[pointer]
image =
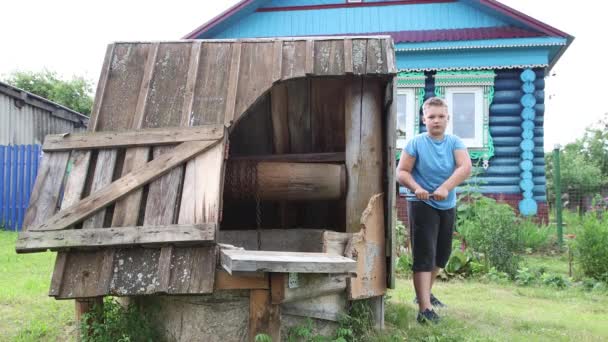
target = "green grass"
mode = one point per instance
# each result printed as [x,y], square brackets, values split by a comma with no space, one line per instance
[480,311]
[26,311]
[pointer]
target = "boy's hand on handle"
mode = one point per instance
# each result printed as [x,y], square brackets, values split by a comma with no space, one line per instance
[422,194]
[440,193]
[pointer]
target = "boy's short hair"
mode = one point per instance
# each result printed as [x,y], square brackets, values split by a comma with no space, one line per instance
[435,102]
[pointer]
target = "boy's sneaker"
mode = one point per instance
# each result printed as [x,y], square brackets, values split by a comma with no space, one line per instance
[426,316]
[434,302]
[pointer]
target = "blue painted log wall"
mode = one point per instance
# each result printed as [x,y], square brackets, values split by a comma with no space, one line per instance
[503,175]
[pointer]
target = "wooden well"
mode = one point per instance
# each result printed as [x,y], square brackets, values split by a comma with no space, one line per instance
[253,178]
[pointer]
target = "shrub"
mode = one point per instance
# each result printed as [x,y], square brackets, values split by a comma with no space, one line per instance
[490,228]
[555,280]
[534,237]
[404,263]
[591,247]
[117,323]
[524,277]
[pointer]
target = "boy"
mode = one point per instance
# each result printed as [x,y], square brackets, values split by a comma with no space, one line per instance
[431,166]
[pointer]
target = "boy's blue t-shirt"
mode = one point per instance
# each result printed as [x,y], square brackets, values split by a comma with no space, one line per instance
[434,164]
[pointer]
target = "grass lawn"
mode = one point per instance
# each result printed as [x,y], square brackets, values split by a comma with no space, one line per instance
[478,311]
[26,311]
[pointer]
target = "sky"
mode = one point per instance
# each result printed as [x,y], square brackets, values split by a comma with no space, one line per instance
[70,38]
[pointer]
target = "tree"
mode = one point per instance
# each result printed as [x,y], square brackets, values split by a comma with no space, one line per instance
[74,94]
[584,165]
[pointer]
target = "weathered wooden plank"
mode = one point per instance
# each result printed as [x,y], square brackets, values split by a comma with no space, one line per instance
[126,210]
[335,243]
[278,283]
[163,193]
[102,176]
[280,125]
[121,93]
[359,56]
[191,82]
[124,185]
[327,115]
[364,151]
[75,184]
[329,57]
[285,262]
[115,237]
[225,281]
[370,253]
[201,198]
[193,270]
[314,285]
[133,138]
[389,51]
[278,61]
[331,307]
[255,75]
[376,57]
[348,56]
[299,120]
[310,57]
[294,59]
[45,195]
[233,85]
[352,103]
[264,318]
[390,212]
[211,86]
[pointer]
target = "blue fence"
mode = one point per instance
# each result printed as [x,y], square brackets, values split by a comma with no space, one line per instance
[18,170]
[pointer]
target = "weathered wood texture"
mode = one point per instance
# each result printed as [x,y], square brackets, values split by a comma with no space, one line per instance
[364,153]
[391,193]
[185,84]
[286,181]
[284,262]
[264,317]
[369,251]
[143,137]
[115,237]
[315,285]
[330,307]
[294,240]
[226,281]
[136,179]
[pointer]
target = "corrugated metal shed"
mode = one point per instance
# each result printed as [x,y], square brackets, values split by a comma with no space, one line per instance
[26,118]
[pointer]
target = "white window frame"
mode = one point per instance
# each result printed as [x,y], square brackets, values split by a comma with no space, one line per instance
[479,110]
[410,115]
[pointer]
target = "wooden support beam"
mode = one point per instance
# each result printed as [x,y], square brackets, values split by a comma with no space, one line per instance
[285,262]
[278,283]
[123,186]
[133,138]
[30,242]
[264,317]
